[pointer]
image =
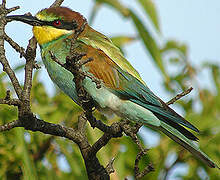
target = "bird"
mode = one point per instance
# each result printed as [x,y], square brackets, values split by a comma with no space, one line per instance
[122,91]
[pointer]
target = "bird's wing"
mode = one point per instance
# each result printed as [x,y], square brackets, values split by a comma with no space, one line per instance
[125,81]
[140,94]
[128,87]
[100,41]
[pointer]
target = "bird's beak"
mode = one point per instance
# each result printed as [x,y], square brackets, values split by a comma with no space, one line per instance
[28,19]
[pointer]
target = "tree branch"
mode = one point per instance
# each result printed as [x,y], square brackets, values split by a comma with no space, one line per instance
[30,55]
[179,96]
[15,46]
[13,9]
[3,60]
[14,102]
[57,3]
[147,169]
[7,100]
[10,125]
[109,168]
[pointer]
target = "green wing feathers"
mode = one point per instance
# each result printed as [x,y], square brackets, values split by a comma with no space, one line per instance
[140,94]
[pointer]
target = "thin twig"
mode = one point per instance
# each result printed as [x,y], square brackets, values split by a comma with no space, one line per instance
[131,132]
[13,9]
[178,96]
[109,168]
[7,100]
[147,169]
[3,60]
[13,102]
[57,3]
[10,125]
[20,49]
[11,74]
[4,3]
[15,46]
[115,132]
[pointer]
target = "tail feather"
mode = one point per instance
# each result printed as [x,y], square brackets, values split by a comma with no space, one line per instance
[186,143]
[177,126]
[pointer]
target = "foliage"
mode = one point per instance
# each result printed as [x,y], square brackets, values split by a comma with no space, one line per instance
[25,154]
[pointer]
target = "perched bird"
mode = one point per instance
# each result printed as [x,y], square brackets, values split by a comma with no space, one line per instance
[122,91]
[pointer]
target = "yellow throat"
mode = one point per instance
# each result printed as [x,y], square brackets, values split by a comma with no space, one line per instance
[45,34]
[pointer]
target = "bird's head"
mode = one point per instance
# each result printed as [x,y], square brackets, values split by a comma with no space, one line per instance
[52,23]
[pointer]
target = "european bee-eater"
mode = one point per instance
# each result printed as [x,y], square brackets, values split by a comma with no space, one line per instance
[122,91]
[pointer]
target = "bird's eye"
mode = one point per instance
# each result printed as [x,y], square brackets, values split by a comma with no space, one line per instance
[57,23]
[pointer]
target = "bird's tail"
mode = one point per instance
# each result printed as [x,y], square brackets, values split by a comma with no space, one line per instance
[188,144]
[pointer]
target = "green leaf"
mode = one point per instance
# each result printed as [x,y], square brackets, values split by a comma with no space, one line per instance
[173,45]
[72,156]
[150,9]
[28,166]
[149,43]
[19,67]
[120,41]
[117,5]
[94,12]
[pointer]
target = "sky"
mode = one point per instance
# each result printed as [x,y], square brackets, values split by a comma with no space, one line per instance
[194,22]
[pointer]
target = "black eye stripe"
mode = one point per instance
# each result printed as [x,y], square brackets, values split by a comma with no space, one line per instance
[64,25]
